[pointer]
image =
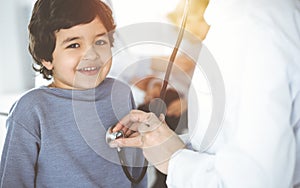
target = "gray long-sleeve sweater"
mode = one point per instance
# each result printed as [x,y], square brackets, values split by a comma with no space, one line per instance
[56,138]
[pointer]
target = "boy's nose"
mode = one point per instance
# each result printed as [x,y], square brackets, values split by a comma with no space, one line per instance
[91,54]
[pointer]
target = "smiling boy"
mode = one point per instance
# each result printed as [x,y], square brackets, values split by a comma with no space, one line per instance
[56,133]
[82,56]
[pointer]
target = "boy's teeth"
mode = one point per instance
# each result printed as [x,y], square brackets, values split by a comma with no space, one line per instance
[89,68]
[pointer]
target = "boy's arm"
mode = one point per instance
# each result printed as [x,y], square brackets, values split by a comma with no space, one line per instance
[19,156]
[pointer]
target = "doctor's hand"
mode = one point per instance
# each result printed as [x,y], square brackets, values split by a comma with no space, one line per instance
[151,134]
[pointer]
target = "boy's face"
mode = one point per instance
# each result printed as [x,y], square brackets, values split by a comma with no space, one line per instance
[82,56]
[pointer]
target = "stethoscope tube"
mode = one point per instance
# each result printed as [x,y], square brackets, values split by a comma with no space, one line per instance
[174,52]
[160,106]
[125,169]
[111,136]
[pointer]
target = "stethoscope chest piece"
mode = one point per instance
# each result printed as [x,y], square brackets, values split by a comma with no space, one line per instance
[111,136]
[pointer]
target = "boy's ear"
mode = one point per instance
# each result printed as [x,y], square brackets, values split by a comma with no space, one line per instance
[47,64]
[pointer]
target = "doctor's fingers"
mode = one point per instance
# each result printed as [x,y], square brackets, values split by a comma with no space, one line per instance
[146,139]
[151,123]
[125,123]
[139,140]
[136,118]
[135,140]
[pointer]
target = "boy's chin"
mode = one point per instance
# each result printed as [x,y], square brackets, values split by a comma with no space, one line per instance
[83,82]
[87,85]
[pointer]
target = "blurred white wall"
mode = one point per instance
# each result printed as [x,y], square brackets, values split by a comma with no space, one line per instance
[15,72]
[2,132]
[127,12]
[16,75]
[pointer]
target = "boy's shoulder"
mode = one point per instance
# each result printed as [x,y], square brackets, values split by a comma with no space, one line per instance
[25,109]
[31,95]
[29,99]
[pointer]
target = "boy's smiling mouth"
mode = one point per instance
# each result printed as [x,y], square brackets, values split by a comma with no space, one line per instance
[90,70]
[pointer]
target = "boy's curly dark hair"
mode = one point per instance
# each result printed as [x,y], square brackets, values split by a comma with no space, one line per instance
[49,16]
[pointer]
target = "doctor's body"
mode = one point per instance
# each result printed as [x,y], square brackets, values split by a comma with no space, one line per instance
[256,45]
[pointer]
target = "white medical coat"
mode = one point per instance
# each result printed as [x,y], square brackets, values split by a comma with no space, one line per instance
[256,45]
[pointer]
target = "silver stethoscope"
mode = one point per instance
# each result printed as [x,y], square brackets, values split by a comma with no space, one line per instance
[159,106]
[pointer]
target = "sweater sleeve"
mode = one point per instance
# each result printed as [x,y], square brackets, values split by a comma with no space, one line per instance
[19,157]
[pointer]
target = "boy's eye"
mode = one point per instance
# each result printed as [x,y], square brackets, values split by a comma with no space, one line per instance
[75,45]
[101,42]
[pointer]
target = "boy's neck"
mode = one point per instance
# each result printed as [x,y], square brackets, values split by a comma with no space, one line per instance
[52,85]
